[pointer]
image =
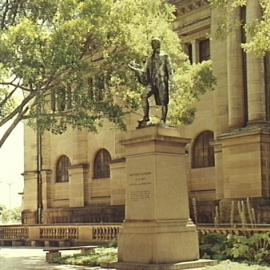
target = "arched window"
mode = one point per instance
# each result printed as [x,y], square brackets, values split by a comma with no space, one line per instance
[102,164]
[62,166]
[202,151]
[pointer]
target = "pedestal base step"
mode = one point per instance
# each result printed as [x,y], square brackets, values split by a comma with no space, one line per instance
[175,266]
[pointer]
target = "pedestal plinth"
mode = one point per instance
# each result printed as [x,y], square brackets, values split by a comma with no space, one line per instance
[157,230]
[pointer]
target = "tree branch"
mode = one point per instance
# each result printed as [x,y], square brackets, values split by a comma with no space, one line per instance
[18,109]
[5,100]
[12,126]
[16,85]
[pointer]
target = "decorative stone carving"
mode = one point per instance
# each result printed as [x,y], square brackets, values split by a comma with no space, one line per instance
[186,6]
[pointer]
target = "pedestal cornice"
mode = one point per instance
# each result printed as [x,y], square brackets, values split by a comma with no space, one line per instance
[155,133]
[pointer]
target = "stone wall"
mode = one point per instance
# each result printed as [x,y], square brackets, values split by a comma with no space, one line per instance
[236,115]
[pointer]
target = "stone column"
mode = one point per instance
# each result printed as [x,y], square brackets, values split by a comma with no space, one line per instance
[195,51]
[30,197]
[46,178]
[218,52]
[76,184]
[30,190]
[157,232]
[235,76]
[118,181]
[255,73]
[219,170]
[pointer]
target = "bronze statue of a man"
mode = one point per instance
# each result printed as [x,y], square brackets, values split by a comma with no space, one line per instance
[156,74]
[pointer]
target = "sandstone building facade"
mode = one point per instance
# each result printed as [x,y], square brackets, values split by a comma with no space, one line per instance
[81,176]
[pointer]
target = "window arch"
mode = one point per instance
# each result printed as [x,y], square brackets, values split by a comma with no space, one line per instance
[102,164]
[202,151]
[62,166]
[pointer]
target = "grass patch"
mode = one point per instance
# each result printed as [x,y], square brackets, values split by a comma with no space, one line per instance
[98,257]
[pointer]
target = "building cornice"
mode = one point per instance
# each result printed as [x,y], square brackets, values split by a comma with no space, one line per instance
[187,6]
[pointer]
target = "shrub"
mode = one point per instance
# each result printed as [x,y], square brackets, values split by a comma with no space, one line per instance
[213,245]
[253,249]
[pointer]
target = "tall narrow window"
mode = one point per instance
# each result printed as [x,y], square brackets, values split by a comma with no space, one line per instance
[267,84]
[62,166]
[61,98]
[204,50]
[188,50]
[202,151]
[102,164]
[244,60]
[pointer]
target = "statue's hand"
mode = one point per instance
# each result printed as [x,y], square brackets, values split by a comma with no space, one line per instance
[134,66]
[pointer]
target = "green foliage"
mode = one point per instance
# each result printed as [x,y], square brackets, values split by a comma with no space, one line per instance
[98,257]
[253,249]
[70,58]
[258,30]
[8,216]
[213,246]
[189,84]
[240,248]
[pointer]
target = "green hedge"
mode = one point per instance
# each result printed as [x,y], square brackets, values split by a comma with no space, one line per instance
[253,249]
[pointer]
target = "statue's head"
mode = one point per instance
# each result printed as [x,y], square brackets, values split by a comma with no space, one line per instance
[156,43]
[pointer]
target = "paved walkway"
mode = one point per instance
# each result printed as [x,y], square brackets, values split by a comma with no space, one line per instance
[22,258]
[26,258]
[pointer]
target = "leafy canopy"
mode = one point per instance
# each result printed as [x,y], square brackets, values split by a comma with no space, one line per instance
[67,61]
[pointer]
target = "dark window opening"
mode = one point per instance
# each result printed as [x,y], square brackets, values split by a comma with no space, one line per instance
[62,167]
[203,151]
[244,62]
[267,84]
[102,164]
[189,52]
[204,50]
[61,98]
[98,87]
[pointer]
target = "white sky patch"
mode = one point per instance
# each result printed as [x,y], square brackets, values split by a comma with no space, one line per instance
[11,167]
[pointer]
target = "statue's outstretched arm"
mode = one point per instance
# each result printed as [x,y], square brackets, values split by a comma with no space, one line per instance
[139,72]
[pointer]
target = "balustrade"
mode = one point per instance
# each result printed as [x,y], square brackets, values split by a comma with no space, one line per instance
[98,233]
[84,233]
[105,233]
[56,232]
[14,233]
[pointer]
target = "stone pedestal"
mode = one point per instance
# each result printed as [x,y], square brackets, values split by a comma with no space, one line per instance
[157,230]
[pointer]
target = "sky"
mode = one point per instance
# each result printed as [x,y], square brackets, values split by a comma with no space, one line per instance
[11,168]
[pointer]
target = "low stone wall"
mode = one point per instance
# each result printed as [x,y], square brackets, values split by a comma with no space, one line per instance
[72,234]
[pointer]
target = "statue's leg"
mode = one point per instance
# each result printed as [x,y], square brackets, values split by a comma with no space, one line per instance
[164,111]
[145,105]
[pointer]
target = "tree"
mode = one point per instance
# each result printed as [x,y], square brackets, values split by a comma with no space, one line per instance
[258,30]
[10,215]
[64,62]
